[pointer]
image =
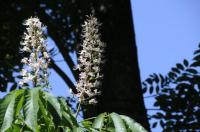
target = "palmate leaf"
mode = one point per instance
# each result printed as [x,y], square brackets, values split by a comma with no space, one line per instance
[53,101]
[31,108]
[79,129]
[7,109]
[132,125]
[118,123]
[115,123]
[19,102]
[99,121]
[67,115]
[45,118]
[53,107]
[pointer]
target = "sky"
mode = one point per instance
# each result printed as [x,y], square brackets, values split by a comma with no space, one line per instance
[167,31]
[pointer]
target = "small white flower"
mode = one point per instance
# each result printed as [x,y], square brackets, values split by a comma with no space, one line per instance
[93,101]
[21,83]
[24,72]
[35,65]
[26,49]
[24,60]
[46,55]
[70,91]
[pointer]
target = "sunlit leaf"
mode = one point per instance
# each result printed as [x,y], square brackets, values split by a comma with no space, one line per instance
[132,125]
[99,121]
[53,107]
[67,113]
[31,108]
[118,122]
[7,110]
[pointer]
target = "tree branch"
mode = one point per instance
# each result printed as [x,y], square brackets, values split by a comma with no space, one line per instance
[52,28]
[145,97]
[154,109]
[66,79]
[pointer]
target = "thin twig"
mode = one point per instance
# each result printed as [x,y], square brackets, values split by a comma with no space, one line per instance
[78,109]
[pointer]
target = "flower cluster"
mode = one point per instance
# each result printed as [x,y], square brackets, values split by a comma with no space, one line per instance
[34,44]
[90,62]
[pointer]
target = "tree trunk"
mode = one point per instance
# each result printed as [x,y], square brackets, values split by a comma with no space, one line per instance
[122,91]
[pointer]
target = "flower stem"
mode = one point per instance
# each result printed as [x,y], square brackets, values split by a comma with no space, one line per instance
[78,110]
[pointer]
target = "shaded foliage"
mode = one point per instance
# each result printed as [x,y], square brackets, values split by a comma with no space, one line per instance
[177,95]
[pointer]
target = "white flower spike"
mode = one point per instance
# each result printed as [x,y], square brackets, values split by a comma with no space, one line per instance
[90,62]
[36,64]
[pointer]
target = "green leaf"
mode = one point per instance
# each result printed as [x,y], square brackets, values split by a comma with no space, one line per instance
[185,62]
[162,124]
[184,85]
[132,125]
[14,128]
[99,121]
[144,90]
[118,123]
[157,89]
[66,120]
[19,104]
[197,58]
[45,117]
[149,81]
[183,78]
[87,124]
[180,66]
[151,90]
[79,129]
[53,107]
[52,100]
[31,108]
[191,70]
[172,75]
[175,70]
[154,124]
[156,79]
[196,51]
[7,110]
[195,64]
[67,114]
[64,105]
[14,86]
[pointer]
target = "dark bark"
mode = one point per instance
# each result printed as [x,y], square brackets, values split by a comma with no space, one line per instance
[122,91]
